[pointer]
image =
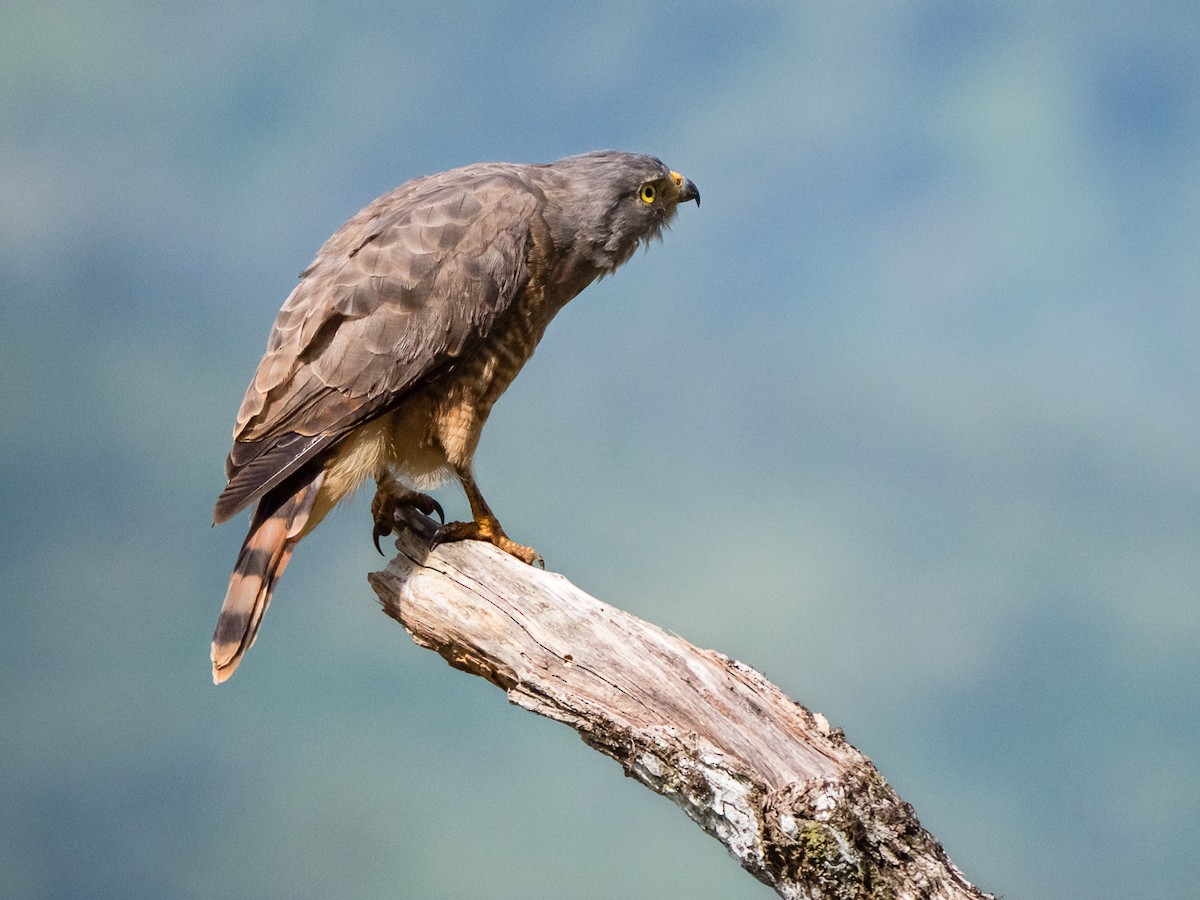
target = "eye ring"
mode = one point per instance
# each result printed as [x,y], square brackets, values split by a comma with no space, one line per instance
[648,193]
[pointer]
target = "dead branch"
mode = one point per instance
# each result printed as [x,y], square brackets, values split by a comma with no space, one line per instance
[795,803]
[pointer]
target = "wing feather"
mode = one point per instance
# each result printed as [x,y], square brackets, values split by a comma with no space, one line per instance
[412,282]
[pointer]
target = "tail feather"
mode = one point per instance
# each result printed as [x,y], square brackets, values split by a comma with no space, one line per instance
[265,553]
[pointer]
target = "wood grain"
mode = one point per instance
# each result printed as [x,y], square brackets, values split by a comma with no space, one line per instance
[798,806]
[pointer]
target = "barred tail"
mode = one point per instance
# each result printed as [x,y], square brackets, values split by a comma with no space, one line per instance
[275,530]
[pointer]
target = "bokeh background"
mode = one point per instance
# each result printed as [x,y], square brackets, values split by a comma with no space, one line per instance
[905,417]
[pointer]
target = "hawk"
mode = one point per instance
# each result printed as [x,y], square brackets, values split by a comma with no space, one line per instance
[413,319]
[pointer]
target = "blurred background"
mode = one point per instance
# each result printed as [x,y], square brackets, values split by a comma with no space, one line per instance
[905,417]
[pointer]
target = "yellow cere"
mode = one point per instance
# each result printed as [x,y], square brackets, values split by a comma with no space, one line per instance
[677,178]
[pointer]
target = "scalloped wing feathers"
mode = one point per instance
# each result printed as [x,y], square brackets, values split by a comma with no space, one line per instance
[398,293]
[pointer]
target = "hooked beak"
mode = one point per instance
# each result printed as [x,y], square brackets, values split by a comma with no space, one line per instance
[687,190]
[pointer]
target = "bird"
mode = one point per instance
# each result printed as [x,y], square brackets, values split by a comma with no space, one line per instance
[386,358]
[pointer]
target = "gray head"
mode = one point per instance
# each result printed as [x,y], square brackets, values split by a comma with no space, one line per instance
[607,203]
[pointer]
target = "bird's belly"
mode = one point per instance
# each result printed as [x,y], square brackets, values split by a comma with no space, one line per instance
[414,451]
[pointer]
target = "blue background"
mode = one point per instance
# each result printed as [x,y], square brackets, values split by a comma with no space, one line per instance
[905,417]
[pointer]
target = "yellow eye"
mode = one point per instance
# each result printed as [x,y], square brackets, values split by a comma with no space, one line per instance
[648,193]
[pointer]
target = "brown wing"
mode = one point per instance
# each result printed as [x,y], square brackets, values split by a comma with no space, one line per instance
[393,299]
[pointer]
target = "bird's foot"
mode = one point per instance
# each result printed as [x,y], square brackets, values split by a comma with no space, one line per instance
[487,529]
[390,497]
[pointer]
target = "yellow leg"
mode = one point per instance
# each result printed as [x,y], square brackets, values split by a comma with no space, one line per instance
[485,526]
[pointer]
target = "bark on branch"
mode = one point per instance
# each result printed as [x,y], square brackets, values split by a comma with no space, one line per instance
[799,807]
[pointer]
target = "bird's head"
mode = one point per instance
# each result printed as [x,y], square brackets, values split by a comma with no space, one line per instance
[608,203]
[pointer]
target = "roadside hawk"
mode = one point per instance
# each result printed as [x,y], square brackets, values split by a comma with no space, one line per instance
[386,359]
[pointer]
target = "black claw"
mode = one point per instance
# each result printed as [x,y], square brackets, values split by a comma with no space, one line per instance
[439,537]
[421,503]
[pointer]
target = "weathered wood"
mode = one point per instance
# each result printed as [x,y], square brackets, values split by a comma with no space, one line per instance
[791,799]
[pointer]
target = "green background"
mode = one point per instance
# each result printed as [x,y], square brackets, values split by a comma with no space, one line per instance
[905,417]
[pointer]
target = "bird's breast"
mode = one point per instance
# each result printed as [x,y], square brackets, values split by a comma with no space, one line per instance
[437,429]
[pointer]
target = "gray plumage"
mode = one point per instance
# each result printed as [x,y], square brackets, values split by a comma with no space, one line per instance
[414,317]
